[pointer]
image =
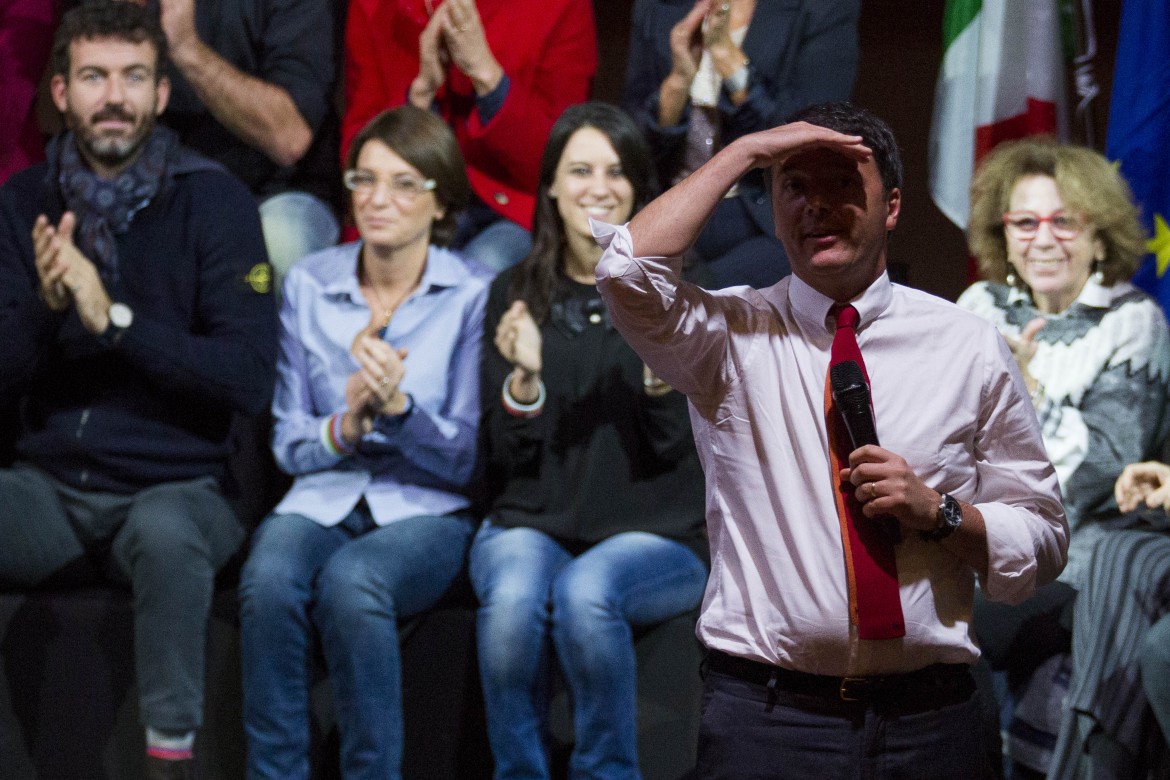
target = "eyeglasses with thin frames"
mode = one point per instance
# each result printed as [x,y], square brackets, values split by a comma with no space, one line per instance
[1024,225]
[402,188]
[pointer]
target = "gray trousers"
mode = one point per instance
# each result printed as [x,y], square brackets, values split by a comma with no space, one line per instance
[166,542]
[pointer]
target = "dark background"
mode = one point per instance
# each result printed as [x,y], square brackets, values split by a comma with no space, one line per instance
[901,48]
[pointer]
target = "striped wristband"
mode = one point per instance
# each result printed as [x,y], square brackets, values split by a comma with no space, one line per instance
[517,409]
[331,436]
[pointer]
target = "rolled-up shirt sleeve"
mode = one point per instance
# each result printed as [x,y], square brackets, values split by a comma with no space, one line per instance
[676,327]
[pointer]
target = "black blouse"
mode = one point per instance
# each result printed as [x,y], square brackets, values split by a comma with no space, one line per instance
[602,457]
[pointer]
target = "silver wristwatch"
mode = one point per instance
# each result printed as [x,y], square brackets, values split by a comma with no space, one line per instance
[950,517]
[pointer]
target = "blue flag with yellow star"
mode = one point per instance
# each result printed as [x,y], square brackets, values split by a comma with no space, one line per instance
[1139,129]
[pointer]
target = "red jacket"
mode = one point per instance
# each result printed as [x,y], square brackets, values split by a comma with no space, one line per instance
[548,49]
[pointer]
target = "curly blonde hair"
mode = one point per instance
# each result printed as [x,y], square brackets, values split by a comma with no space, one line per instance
[1088,184]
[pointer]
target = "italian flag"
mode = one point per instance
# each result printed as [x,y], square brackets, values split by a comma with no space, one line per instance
[1002,77]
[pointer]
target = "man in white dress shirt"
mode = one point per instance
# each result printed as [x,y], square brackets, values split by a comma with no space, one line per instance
[792,687]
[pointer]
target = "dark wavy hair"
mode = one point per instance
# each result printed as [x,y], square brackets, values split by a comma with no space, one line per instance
[108,19]
[854,120]
[538,277]
[424,141]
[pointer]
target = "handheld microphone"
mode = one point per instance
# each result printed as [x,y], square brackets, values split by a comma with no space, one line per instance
[851,395]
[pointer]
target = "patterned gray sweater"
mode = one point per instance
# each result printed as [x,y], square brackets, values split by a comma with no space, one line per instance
[1105,366]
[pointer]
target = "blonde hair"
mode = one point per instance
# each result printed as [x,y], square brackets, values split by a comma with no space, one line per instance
[1088,184]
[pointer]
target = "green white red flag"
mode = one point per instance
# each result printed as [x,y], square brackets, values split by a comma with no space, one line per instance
[1002,77]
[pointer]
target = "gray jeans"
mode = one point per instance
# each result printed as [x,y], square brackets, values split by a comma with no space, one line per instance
[166,542]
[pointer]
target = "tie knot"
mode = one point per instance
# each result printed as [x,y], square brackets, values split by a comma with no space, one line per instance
[847,316]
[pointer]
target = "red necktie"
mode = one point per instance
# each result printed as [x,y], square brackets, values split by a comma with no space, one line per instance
[874,604]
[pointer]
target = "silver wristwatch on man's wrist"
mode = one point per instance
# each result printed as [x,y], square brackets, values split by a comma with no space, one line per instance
[120,316]
[950,517]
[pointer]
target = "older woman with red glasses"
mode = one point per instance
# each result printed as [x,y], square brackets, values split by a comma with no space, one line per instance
[1055,231]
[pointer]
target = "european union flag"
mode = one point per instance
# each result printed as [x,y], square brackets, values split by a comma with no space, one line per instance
[1139,129]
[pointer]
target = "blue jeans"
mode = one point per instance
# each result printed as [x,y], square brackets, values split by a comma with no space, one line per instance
[532,590]
[295,224]
[352,582]
[499,245]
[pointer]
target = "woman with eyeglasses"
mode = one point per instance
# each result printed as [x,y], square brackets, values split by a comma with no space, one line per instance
[1056,235]
[375,412]
[596,525]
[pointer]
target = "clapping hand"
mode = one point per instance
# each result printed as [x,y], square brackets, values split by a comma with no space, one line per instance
[518,338]
[519,341]
[382,370]
[433,58]
[374,388]
[1143,483]
[66,275]
[1024,349]
[466,40]
[686,43]
[717,35]
[454,35]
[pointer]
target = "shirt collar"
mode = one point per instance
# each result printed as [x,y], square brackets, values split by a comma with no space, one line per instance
[811,308]
[1093,295]
[443,269]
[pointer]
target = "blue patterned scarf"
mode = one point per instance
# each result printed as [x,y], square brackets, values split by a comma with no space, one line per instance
[104,208]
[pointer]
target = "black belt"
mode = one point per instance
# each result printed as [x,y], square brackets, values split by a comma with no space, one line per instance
[938,685]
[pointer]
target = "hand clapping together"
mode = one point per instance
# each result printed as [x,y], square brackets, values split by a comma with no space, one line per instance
[454,35]
[373,389]
[68,276]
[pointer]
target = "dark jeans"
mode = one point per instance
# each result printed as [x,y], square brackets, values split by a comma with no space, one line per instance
[750,733]
[165,541]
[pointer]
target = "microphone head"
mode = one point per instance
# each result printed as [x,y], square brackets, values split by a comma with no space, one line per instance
[851,397]
[846,377]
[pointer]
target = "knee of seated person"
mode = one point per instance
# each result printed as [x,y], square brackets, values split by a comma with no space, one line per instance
[582,596]
[268,578]
[166,538]
[500,245]
[348,585]
[185,510]
[514,590]
[295,224]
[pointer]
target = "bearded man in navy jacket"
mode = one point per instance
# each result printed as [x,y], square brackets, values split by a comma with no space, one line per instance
[138,317]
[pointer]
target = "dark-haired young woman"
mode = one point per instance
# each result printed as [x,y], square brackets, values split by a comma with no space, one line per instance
[596,514]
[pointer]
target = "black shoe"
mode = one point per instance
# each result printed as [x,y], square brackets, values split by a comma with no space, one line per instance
[163,769]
